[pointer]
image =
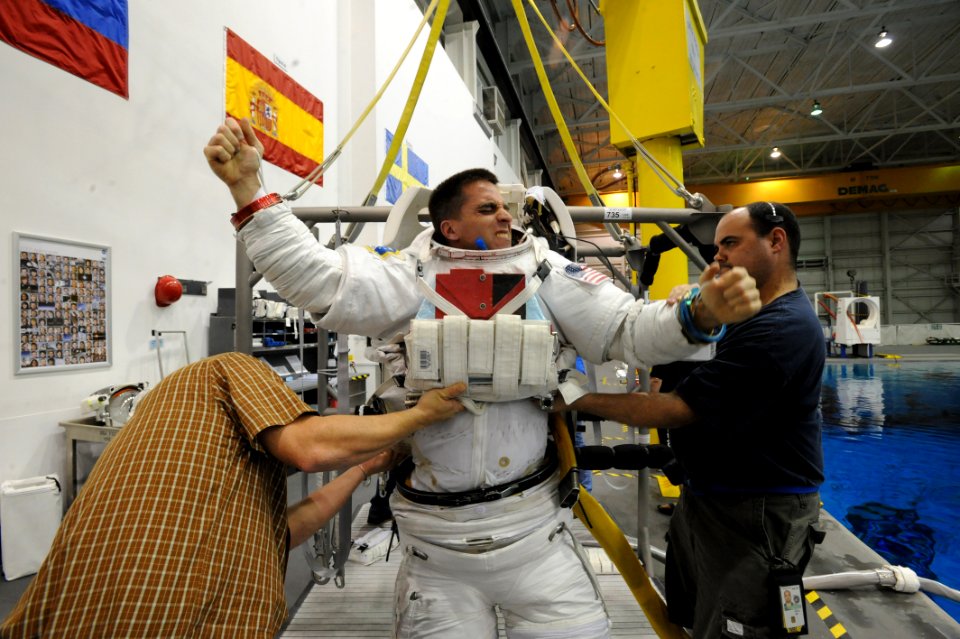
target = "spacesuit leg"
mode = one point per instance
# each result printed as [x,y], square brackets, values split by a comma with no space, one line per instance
[435,603]
[556,595]
[541,582]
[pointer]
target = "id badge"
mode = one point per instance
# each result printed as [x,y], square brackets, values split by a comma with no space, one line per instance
[788,601]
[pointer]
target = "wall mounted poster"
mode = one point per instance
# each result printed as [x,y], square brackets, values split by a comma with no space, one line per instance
[62,308]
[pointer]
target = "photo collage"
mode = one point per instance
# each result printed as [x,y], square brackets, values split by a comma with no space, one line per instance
[63,309]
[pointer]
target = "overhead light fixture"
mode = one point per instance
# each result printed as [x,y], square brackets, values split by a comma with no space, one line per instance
[617,173]
[775,153]
[883,39]
[817,109]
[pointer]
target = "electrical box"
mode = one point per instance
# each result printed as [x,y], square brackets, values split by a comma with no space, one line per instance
[655,53]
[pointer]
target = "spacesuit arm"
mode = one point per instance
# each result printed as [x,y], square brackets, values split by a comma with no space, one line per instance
[604,323]
[353,289]
[303,271]
[649,334]
[281,247]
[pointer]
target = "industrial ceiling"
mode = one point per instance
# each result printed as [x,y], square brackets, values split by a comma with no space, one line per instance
[767,63]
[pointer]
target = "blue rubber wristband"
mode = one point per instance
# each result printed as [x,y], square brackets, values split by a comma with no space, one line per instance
[689,327]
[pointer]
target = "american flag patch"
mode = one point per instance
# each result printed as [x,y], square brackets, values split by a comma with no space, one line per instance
[584,274]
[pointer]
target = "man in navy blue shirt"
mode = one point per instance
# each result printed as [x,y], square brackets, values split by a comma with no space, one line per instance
[750,446]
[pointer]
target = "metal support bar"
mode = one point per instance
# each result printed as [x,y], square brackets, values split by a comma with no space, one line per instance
[349,214]
[341,545]
[828,252]
[637,214]
[682,244]
[643,481]
[243,303]
[329,214]
[885,261]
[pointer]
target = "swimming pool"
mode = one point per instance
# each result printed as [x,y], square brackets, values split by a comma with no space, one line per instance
[891,437]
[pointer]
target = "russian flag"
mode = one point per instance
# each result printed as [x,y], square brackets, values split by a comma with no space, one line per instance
[88,38]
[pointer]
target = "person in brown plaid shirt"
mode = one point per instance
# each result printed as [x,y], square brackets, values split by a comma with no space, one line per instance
[182,529]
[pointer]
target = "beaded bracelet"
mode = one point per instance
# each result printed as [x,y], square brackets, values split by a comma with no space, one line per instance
[688,327]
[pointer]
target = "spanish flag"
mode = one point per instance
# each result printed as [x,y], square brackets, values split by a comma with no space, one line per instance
[87,38]
[286,117]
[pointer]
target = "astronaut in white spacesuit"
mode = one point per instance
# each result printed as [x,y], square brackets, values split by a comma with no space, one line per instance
[477,300]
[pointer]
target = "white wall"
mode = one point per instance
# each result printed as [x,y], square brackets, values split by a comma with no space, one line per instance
[80,163]
[439,131]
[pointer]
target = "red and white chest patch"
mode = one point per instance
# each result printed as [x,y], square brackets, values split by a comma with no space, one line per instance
[477,293]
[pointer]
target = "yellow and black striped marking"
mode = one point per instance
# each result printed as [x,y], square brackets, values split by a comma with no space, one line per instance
[823,611]
[614,473]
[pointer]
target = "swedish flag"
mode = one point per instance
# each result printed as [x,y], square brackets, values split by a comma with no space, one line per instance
[408,170]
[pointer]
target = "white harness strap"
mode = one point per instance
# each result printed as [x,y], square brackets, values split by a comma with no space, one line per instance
[455,355]
[423,347]
[507,344]
[436,299]
[502,359]
[480,356]
[538,344]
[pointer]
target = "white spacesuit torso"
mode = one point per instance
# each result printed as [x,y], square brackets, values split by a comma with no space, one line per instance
[503,437]
[375,292]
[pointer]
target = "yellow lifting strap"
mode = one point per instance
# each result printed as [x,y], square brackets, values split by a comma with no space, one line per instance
[354,228]
[613,229]
[671,182]
[435,29]
[554,107]
[589,511]
[303,185]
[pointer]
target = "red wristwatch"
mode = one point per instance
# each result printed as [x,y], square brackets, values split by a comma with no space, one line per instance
[241,217]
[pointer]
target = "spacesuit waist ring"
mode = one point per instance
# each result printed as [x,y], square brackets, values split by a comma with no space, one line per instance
[479,495]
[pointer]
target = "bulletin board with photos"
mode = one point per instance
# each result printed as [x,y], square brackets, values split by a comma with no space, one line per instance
[63,304]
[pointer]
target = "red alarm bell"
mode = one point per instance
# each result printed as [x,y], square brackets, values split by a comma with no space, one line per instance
[168,290]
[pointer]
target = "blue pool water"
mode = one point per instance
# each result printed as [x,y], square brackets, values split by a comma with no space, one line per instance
[891,440]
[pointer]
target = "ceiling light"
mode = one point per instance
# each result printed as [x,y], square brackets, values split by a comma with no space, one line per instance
[617,173]
[775,153]
[817,109]
[883,39]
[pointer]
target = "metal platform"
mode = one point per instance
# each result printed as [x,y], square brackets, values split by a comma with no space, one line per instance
[363,609]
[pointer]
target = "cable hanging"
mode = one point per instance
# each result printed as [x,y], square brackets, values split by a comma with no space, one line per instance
[615,231]
[354,228]
[671,182]
[314,176]
[575,15]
